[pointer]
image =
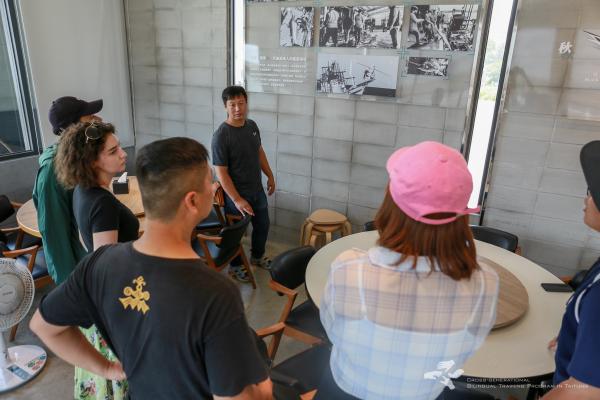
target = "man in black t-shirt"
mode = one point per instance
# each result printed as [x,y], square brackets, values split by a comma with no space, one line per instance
[177,326]
[239,160]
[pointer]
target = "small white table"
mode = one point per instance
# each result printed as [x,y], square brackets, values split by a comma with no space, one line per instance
[516,351]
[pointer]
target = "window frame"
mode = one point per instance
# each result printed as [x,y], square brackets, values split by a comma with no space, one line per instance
[10,13]
[499,102]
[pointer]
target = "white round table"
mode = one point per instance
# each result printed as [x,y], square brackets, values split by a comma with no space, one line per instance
[516,351]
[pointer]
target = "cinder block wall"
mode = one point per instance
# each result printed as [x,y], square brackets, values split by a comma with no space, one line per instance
[178,58]
[552,109]
[331,153]
[326,152]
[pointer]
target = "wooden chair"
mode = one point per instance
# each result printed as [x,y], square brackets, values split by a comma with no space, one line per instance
[301,373]
[575,280]
[302,322]
[14,237]
[319,227]
[369,226]
[33,258]
[499,238]
[215,220]
[218,251]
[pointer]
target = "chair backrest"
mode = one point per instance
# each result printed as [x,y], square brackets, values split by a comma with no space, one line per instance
[465,393]
[219,199]
[232,235]
[494,236]
[3,247]
[578,278]
[6,208]
[289,267]
[369,226]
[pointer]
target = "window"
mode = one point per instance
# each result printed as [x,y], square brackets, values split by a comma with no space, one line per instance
[238,42]
[18,127]
[489,99]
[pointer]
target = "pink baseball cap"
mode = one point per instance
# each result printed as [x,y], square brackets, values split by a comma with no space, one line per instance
[430,178]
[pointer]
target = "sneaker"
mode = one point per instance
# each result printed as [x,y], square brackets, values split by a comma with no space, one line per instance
[263,262]
[239,273]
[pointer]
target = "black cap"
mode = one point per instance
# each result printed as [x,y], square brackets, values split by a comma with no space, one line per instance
[67,110]
[590,163]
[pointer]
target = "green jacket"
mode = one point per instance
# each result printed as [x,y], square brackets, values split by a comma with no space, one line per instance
[56,222]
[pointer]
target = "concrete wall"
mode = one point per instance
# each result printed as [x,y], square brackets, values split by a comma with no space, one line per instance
[329,151]
[178,59]
[17,177]
[75,48]
[326,152]
[78,48]
[552,109]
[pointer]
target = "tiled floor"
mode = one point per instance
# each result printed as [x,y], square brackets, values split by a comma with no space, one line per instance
[263,307]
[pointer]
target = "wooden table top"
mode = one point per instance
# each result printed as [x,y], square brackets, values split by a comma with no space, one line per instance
[518,348]
[27,219]
[27,214]
[133,199]
[513,300]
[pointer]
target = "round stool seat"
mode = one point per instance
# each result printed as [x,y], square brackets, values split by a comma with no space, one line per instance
[327,228]
[327,217]
[318,228]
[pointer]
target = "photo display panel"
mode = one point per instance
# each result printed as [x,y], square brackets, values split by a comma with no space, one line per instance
[361,26]
[408,51]
[357,74]
[442,27]
[296,27]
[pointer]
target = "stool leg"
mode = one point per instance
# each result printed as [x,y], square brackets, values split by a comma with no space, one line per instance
[313,240]
[308,230]
[303,232]
[327,238]
[348,228]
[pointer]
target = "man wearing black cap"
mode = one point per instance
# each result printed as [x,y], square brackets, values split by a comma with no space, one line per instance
[62,248]
[577,374]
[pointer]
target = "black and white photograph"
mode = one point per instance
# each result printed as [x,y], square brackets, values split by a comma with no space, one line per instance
[361,26]
[429,66]
[264,1]
[357,74]
[442,27]
[296,29]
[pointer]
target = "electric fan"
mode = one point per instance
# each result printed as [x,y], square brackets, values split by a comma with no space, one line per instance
[18,364]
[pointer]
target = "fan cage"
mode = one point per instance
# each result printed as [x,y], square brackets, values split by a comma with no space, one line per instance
[8,266]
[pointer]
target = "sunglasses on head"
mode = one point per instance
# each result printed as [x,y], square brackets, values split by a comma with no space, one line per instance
[94,131]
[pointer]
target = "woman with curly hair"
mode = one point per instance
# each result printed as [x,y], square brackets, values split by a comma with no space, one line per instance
[89,155]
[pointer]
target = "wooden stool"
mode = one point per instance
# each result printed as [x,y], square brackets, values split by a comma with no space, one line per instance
[318,228]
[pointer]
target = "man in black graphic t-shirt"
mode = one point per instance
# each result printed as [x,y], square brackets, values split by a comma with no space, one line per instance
[177,326]
[239,161]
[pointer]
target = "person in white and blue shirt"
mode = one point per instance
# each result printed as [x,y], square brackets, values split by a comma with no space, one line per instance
[420,299]
[577,374]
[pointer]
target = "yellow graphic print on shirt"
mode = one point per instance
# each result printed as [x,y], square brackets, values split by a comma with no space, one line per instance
[136,298]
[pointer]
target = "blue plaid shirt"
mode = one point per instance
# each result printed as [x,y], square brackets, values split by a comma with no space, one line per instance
[399,332]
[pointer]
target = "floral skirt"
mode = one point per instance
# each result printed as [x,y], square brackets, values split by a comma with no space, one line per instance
[93,387]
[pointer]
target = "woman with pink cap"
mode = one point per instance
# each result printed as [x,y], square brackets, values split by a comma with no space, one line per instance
[404,316]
